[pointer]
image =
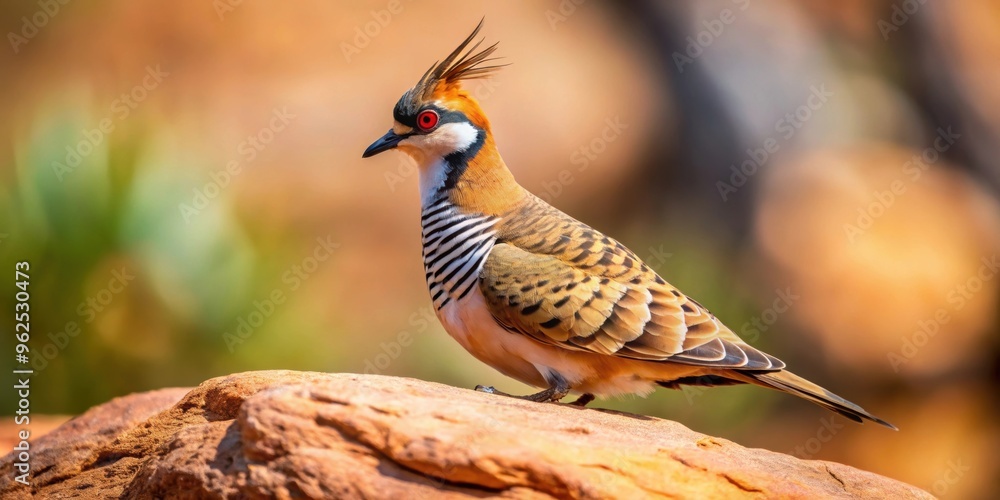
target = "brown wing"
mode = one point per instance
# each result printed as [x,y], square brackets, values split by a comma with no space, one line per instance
[581,290]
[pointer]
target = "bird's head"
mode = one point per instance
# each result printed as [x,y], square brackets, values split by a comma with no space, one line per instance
[437,123]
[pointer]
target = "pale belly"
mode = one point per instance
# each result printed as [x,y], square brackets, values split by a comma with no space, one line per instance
[522,358]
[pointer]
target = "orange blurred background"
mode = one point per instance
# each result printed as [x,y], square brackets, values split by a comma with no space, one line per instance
[186,182]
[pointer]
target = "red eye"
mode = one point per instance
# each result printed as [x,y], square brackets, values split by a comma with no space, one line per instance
[427,119]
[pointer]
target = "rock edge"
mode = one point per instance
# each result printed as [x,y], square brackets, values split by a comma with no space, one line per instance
[292,434]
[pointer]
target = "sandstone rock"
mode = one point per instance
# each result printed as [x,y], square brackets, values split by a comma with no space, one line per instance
[310,435]
[60,456]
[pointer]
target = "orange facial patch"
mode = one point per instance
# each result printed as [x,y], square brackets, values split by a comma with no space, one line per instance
[454,97]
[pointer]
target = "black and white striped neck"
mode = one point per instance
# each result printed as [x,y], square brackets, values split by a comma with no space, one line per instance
[455,246]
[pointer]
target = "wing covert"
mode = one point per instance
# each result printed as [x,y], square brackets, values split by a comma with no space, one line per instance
[638,317]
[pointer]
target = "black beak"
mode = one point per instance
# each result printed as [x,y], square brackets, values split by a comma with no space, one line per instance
[384,143]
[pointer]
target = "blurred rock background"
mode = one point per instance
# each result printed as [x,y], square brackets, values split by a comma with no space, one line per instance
[186,183]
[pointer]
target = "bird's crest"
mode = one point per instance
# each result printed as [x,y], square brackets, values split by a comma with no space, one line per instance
[445,75]
[442,80]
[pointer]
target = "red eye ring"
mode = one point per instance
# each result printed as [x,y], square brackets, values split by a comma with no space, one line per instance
[427,120]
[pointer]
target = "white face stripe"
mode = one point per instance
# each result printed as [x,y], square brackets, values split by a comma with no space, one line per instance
[445,140]
[433,147]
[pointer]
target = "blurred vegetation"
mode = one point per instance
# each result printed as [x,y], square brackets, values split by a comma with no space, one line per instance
[126,290]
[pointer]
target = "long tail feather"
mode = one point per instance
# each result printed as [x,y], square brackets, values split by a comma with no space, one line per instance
[791,383]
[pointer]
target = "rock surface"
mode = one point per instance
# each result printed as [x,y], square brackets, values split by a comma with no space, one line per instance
[310,435]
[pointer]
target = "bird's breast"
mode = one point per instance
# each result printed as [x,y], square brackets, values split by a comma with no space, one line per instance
[455,246]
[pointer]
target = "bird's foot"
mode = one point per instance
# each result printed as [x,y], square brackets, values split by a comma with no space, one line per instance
[488,389]
[583,400]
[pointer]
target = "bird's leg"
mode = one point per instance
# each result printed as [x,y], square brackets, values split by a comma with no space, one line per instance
[553,394]
[583,400]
